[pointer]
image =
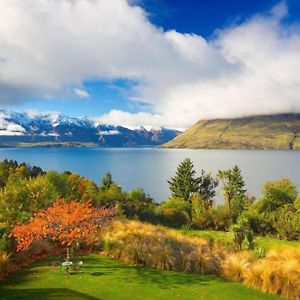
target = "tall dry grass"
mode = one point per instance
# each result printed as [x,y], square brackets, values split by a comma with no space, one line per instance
[282,272]
[277,273]
[154,246]
[235,265]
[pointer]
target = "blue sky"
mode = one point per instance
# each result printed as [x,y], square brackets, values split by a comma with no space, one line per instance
[190,29]
[104,96]
[203,17]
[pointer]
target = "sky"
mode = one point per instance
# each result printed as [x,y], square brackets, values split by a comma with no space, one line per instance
[150,62]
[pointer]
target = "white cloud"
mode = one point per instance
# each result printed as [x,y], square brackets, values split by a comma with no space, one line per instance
[81,93]
[130,120]
[248,68]
[9,128]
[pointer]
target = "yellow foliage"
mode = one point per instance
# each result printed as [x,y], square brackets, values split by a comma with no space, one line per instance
[159,247]
[253,275]
[278,273]
[235,265]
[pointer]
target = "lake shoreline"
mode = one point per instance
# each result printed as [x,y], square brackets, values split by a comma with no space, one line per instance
[150,168]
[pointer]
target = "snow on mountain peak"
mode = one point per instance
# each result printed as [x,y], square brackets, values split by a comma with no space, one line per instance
[32,126]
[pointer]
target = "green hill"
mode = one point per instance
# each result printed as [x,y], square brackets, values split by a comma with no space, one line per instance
[258,132]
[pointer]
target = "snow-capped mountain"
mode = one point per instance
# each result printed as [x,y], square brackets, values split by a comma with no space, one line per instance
[32,128]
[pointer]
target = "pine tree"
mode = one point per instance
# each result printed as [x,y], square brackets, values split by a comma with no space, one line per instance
[185,182]
[233,189]
[106,182]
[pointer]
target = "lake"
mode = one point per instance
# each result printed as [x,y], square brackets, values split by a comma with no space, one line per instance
[150,168]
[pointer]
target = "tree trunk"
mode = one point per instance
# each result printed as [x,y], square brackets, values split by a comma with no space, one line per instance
[229,202]
[68,253]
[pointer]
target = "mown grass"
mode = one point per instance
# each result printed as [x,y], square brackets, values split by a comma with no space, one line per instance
[105,278]
[265,243]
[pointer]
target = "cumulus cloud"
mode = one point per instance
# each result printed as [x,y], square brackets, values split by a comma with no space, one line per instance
[248,68]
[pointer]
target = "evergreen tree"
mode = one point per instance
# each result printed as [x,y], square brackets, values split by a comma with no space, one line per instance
[207,188]
[106,182]
[185,182]
[233,189]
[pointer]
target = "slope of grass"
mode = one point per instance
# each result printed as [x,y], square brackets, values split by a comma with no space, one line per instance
[258,132]
[104,278]
[262,242]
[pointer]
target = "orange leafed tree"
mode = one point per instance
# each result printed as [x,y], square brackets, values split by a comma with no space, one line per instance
[63,223]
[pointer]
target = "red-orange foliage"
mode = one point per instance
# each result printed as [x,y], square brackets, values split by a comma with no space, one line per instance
[63,223]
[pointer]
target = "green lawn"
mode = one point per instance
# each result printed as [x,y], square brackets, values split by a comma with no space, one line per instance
[263,242]
[104,278]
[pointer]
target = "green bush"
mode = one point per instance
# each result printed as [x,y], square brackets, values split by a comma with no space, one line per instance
[287,222]
[297,203]
[260,223]
[173,217]
[276,194]
[221,218]
[176,203]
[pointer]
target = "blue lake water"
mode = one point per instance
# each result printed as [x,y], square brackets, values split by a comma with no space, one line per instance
[150,168]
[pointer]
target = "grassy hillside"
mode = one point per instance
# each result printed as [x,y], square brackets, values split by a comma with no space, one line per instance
[257,132]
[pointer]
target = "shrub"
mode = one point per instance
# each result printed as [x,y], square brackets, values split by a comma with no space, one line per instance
[297,203]
[276,194]
[221,218]
[260,223]
[137,204]
[200,213]
[111,196]
[287,222]
[176,203]
[173,217]
[204,220]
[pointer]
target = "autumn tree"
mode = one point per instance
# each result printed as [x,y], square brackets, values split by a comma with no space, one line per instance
[63,223]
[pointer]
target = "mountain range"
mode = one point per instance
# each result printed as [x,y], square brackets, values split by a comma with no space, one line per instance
[23,129]
[280,131]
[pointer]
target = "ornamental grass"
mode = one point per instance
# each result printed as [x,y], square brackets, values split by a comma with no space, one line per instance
[154,246]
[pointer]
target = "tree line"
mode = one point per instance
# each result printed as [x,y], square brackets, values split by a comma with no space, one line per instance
[25,190]
[277,212]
